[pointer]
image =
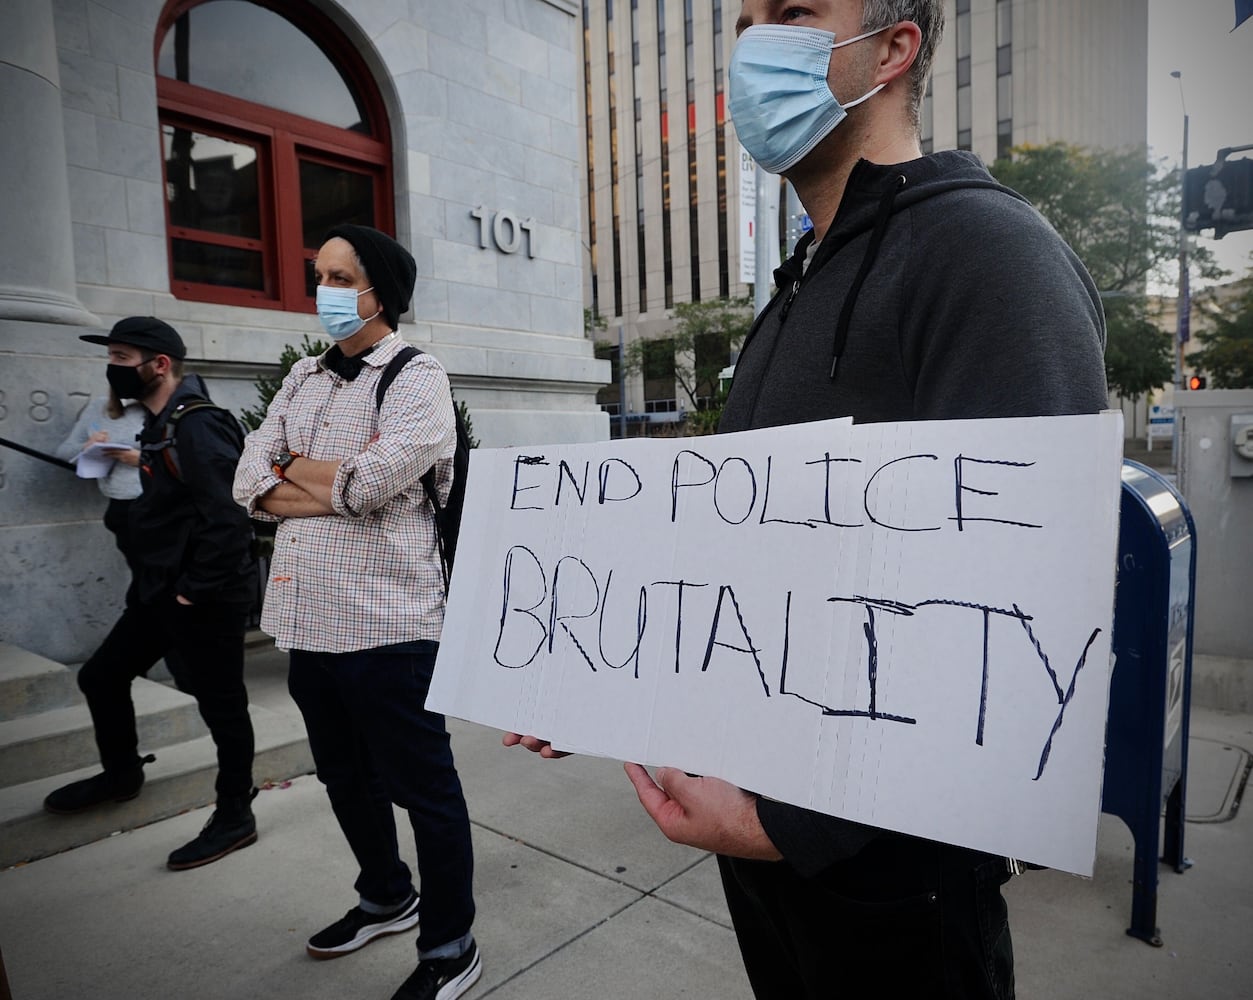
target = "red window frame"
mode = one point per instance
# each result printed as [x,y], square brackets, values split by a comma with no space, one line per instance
[282,140]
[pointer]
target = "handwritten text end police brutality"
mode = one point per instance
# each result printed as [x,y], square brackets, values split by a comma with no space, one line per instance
[903,624]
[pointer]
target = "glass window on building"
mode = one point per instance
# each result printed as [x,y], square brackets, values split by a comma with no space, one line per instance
[272,131]
[658,373]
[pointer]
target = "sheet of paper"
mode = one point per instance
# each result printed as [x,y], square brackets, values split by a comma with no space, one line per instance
[907,625]
[96,460]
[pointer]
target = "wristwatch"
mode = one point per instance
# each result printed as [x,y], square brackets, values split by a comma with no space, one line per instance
[281,463]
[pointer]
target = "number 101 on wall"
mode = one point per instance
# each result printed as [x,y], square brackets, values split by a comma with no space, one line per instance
[504,230]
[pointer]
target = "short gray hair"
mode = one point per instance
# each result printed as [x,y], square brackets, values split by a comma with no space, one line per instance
[929,16]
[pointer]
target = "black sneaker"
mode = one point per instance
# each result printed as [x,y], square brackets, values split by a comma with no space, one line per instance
[231,827]
[442,978]
[356,928]
[108,786]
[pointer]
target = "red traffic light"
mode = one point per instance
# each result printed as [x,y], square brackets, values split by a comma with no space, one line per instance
[1196,382]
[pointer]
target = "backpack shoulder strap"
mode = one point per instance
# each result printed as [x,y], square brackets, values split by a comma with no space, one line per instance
[169,439]
[402,358]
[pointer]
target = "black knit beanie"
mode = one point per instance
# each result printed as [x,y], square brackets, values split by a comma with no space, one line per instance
[389,267]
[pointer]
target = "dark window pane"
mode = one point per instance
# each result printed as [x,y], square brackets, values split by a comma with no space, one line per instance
[214,265]
[211,183]
[247,51]
[963,72]
[330,196]
[963,139]
[1004,97]
[1004,60]
[659,370]
[1004,22]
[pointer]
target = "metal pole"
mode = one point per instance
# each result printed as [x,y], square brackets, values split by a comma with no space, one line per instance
[765,237]
[622,396]
[1183,305]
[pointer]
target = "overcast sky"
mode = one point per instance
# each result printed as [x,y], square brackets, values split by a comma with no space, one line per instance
[1195,37]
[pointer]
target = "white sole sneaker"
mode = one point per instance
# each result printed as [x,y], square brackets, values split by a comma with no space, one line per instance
[401,922]
[455,987]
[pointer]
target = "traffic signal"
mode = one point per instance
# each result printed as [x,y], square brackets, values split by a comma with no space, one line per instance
[1196,382]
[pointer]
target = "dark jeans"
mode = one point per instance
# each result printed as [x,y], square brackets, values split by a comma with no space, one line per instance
[204,648]
[117,520]
[902,918]
[375,744]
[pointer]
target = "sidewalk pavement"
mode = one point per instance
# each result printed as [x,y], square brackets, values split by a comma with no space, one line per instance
[579,897]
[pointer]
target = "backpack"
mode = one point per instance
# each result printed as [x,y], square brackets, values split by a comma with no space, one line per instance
[447,517]
[168,445]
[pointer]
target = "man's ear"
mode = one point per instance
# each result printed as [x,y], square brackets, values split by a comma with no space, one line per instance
[898,51]
[161,363]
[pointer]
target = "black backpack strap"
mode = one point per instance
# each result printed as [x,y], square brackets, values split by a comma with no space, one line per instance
[169,440]
[402,358]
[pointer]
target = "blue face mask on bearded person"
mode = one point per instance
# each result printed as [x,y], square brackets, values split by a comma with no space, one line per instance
[337,309]
[781,104]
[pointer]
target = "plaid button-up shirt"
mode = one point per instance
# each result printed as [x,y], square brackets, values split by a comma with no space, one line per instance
[369,575]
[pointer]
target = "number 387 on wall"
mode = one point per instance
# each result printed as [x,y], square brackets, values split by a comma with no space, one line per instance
[504,230]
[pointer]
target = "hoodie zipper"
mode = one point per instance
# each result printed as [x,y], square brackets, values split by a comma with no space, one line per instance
[787,302]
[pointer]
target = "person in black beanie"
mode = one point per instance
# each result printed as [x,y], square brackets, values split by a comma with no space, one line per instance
[356,593]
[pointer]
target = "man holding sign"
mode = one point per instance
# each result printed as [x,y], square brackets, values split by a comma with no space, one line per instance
[879,319]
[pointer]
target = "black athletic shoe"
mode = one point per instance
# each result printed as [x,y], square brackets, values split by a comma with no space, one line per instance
[108,786]
[356,928]
[442,978]
[231,827]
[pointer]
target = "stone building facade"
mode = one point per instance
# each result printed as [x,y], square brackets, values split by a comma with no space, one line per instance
[468,145]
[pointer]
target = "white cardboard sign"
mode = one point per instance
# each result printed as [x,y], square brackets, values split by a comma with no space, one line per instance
[907,625]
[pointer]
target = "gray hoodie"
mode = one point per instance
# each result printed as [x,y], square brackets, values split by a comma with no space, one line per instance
[936,294]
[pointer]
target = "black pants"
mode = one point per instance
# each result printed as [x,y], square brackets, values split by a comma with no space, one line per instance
[902,918]
[204,648]
[375,744]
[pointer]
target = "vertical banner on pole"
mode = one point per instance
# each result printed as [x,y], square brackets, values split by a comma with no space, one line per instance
[748,212]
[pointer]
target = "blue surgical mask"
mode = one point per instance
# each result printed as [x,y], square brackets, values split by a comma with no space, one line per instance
[337,309]
[780,102]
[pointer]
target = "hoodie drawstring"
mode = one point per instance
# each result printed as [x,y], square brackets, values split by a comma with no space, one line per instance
[867,262]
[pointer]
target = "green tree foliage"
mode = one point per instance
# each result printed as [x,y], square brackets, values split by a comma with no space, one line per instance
[1119,211]
[1227,351]
[703,335]
[1138,352]
[269,385]
[593,322]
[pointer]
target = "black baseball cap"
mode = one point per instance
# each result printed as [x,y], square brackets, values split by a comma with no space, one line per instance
[145,332]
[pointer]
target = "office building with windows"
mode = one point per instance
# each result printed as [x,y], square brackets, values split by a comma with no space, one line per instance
[661,191]
[183,158]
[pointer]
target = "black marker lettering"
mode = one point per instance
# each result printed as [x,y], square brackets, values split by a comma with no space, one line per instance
[506,609]
[826,461]
[713,637]
[752,483]
[556,619]
[677,484]
[870,485]
[518,462]
[961,488]
[605,468]
[765,503]
[678,613]
[641,621]
[563,472]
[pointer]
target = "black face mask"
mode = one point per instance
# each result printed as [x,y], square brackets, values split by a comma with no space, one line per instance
[126,381]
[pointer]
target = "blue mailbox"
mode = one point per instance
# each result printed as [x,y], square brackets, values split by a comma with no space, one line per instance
[1146,736]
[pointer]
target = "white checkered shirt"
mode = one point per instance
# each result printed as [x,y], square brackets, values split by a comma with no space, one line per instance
[369,575]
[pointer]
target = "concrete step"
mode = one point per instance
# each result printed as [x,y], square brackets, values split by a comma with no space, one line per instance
[32,683]
[181,779]
[63,739]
